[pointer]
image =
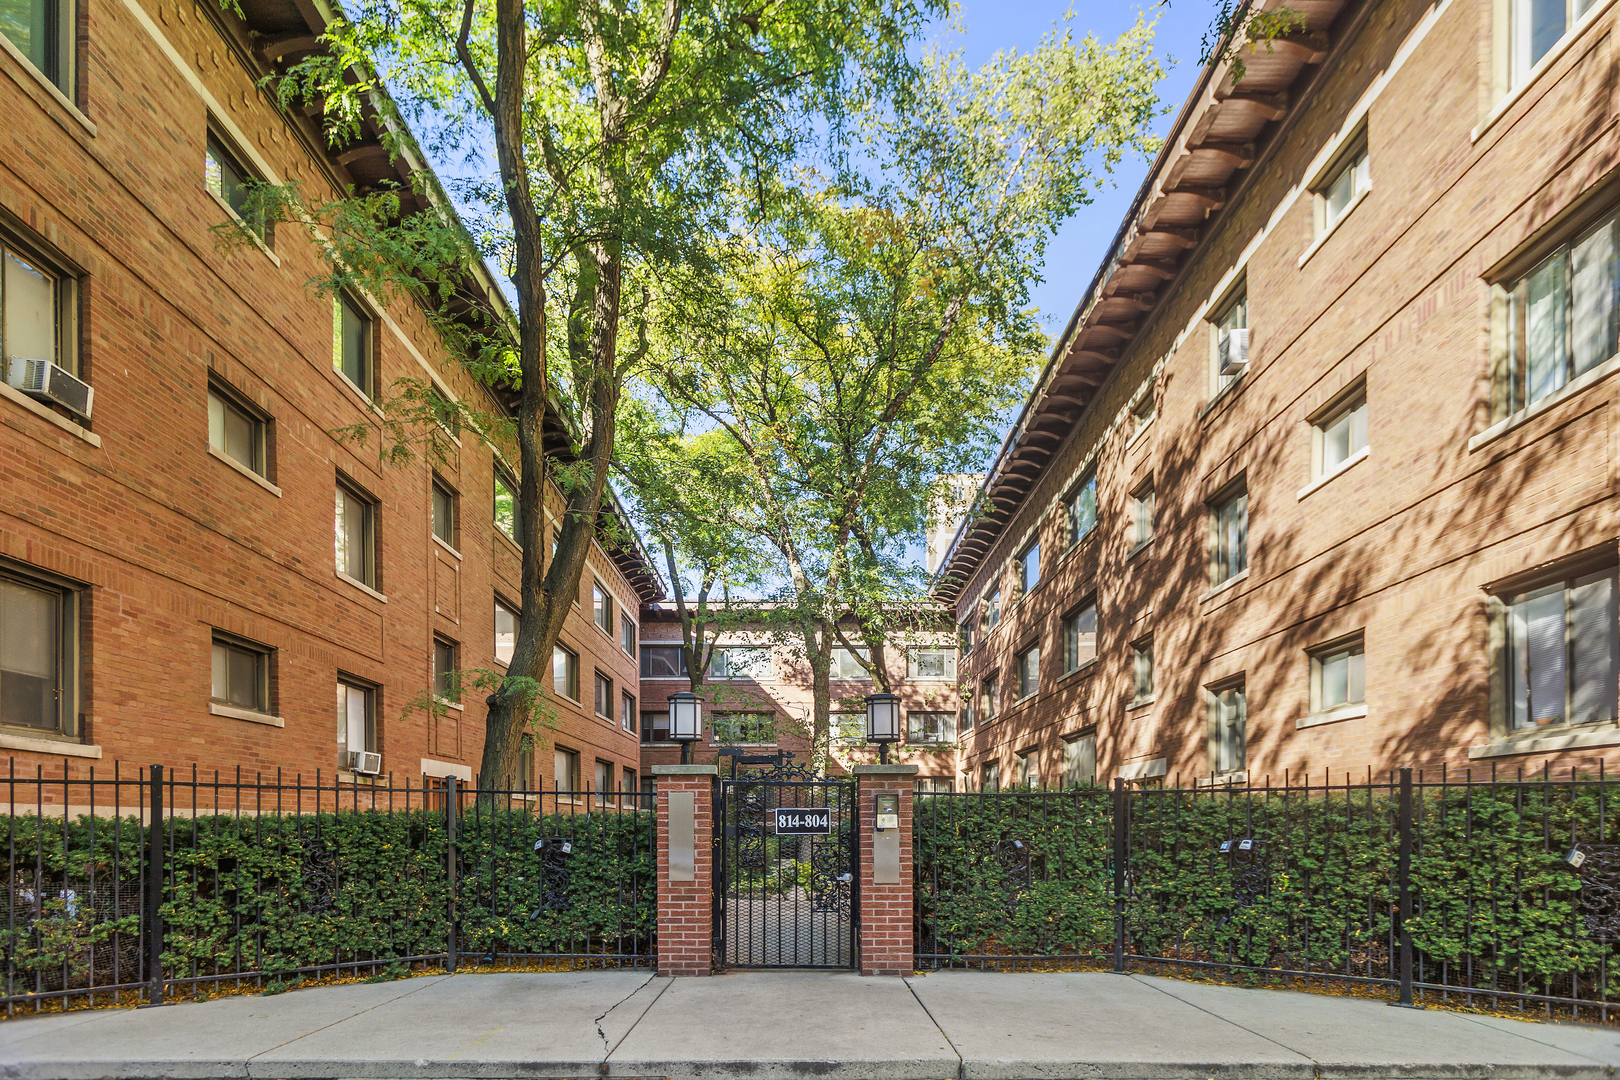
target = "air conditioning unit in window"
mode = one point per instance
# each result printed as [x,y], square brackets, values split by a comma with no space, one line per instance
[43,379]
[1234,351]
[365,762]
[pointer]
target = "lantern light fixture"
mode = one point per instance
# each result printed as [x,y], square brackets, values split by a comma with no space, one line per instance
[882,722]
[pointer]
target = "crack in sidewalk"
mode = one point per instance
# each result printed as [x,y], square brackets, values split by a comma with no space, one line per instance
[609,1049]
[248,1061]
[961,1066]
[1316,1066]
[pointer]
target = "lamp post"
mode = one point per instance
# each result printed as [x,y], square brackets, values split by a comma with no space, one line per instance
[685,721]
[882,722]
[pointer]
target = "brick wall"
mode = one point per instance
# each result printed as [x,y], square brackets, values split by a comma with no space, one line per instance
[686,908]
[167,542]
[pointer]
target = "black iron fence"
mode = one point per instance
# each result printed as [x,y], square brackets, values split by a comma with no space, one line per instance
[133,885]
[1478,890]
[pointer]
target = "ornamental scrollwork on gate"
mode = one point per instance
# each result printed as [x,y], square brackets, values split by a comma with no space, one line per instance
[830,876]
[1251,873]
[1599,874]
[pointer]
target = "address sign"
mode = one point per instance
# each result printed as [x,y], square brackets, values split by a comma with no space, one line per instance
[810,822]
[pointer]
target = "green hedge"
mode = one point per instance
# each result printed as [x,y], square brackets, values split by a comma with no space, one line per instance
[282,894]
[1497,904]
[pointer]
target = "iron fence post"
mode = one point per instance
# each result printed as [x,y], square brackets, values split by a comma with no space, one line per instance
[1404,881]
[154,888]
[1121,847]
[452,799]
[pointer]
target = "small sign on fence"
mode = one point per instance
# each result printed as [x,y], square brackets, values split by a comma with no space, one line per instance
[811,822]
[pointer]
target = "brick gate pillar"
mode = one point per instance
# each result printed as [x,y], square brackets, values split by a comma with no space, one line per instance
[887,946]
[685,795]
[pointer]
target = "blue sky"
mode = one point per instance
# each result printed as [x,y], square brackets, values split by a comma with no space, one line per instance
[990,25]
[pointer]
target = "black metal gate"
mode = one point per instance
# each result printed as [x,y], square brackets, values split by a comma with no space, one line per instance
[785,899]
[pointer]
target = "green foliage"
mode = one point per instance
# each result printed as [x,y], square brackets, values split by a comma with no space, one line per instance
[282,894]
[1496,904]
[1239,27]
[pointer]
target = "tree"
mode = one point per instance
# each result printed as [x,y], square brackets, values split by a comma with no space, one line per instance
[869,334]
[620,132]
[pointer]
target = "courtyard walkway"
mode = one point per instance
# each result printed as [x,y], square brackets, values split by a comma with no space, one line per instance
[766,1026]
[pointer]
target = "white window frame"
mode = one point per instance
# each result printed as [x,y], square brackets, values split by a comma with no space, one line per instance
[1228,727]
[517,622]
[1229,331]
[222,403]
[570,674]
[1349,409]
[1078,749]
[1072,660]
[1226,562]
[1029,681]
[1353,648]
[65,283]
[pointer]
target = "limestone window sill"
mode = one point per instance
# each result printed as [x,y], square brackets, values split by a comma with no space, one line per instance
[50,88]
[1225,779]
[1332,716]
[355,389]
[251,715]
[1087,667]
[362,586]
[1140,703]
[1344,466]
[1542,740]
[513,544]
[447,703]
[1316,245]
[1542,67]
[245,471]
[54,747]
[257,240]
[1226,392]
[447,547]
[11,393]
[1136,436]
[1138,549]
[1235,579]
[1530,412]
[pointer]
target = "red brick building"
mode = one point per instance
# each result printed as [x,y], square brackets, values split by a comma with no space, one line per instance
[198,571]
[758,700]
[1321,475]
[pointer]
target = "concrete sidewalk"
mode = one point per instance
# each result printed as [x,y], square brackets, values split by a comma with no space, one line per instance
[765,1026]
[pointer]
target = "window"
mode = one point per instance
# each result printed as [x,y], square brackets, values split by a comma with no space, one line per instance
[351,342]
[964,636]
[1079,761]
[931,664]
[604,781]
[1563,317]
[1562,652]
[1227,710]
[604,696]
[655,727]
[1079,637]
[1537,26]
[1027,769]
[506,508]
[663,662]
[565,769]
[751,728]
[356,535]
[602,607]
[627,635]
[1082,509]
[506,631]
[45,31]
[1029,568]
[933,785]
[1143,508]
[444,670]
[1029,671]
[236,432]
[565,673]
[627,715]
[992,609]
[38,307]
[38,655]
[356,719]
[846,666]
[232,184]
[629,785]
[1347,184]
[444,513]
[1229,544]
[1142,411]
[990,776]
[987,695]
[1142,671]
[930,727]
[848,728]
[1231,353]
[1338,676]
[966,713]
[525,769]
[1339,436]
[241,674]
[741,662]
